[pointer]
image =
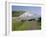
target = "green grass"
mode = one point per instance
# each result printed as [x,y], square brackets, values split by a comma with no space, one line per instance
[26,25]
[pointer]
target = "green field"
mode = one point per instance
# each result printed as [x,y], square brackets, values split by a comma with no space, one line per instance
[26,25]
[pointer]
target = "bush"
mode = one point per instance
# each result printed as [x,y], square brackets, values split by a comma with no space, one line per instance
[39,19]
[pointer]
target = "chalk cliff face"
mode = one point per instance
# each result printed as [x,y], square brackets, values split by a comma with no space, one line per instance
[28,15]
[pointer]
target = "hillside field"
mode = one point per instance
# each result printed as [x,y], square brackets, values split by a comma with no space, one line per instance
[26,25]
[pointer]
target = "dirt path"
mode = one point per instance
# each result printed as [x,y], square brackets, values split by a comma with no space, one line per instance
[33,25]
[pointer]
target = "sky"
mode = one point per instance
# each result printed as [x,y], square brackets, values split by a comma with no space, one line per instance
[33,9]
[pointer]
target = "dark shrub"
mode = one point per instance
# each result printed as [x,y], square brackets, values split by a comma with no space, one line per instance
[39,19]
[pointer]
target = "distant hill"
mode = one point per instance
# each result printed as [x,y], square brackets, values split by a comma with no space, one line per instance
[17,13]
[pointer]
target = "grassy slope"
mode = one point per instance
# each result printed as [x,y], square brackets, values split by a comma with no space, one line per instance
[17,13]
[27,25]
[32,25]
